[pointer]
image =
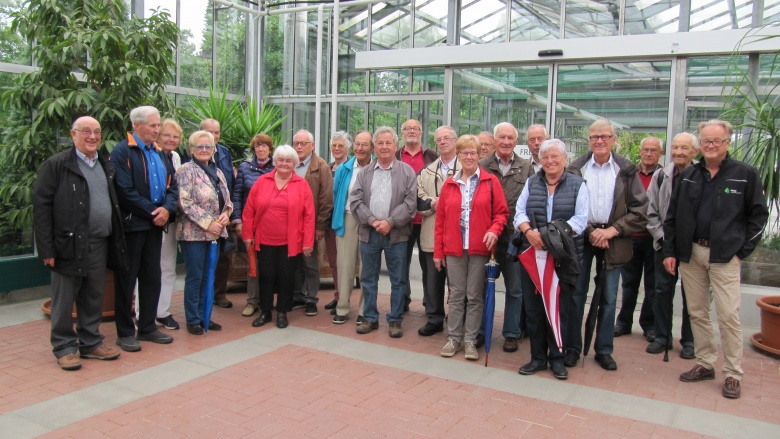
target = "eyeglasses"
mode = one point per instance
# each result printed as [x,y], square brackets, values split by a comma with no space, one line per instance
[603,137]
[411,129]
[89,133]
[301,143]
[443,139]
[205,147]
[469,153]
[715,143]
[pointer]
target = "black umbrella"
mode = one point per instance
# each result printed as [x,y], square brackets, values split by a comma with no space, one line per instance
[593,312]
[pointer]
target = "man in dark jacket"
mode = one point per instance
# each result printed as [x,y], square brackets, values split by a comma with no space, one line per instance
[715,220]
[618,209]
[148,196]
[77,225]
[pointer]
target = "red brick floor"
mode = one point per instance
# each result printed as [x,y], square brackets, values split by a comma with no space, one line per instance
[263,397]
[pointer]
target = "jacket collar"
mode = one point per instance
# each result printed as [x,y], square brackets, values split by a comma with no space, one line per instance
[133,143]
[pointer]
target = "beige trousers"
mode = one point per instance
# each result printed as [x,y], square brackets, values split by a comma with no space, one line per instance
[706,282]
[348,252]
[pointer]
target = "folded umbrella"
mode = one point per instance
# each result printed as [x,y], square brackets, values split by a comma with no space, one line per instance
[208,299]
[491,272]
[540,266]
[593,311]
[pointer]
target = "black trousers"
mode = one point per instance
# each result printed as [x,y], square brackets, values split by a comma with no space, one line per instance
[143,254]
[543,344]
[414,238]
[433,290]
[276,273]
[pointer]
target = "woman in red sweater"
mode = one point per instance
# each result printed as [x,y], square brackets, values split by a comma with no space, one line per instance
[278,223]
[471,214]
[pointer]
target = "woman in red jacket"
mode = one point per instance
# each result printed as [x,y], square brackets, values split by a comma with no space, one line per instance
[471,214]
[278,223]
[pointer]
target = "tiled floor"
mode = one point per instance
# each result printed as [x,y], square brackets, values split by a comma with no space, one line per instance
[317,379]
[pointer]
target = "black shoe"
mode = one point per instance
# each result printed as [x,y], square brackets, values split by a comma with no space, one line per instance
[406,305]
[333,312]
[195,329]
[311,309]
[128,344]
[480,341]
[222,301]
[155,337]
[340,319]
[332,304]
[168,322]
[298,305]
[214,326]
[656,347]
[649,335]
[281,320]
[687,352]
[619,330]
[429,329]
[571,358]
[559,371]
[532,367]
[606,362]
[262,319]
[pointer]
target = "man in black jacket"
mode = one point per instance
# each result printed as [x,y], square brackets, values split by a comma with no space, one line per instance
[715,219]
[77,225]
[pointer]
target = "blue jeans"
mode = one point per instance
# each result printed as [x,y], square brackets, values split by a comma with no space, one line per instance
[605,326]
[371,263]
[643,259]
[195,254]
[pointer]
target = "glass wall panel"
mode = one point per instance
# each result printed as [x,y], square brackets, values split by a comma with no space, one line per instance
[484,97]
[430,23]
[13,46]
[391,25]
[720,14]
[353,38]
[709,81]
[273,55]
[390,81]
[231,50]
[595,18]
[652,16]
[482,21]
[535,20]
[634,96]
[771,11]
[352,117]
[195,46]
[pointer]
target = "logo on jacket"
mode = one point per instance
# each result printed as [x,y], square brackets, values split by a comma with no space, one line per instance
[732,191]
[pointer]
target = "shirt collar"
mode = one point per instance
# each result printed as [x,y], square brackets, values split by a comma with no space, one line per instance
[458,176]
[511,159]
[378,166]
[305,161]
[610,161]
[87,160]
[140,142]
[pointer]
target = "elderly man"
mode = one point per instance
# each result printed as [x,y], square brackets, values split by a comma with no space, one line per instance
[147,191]
[512,171]
[618,209]
[317,173]
[534,136]
[416,155]
[224,161]
[429,183]
[715,220]
[684,149]
[383,203]
[77,225]
[487,144]
[650,151]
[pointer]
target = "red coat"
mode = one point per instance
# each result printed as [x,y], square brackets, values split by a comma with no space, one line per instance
[300,213]
[447,237]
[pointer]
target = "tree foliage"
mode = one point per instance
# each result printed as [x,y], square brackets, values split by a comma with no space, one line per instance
[94,59]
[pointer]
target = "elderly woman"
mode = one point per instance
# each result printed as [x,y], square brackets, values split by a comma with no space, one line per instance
[551,194]
[278,222]
[344,225]
[340,147]
[249,171]
[203,216]
[471,214]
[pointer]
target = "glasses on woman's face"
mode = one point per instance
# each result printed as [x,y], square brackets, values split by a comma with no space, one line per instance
[205,147]
[469,154]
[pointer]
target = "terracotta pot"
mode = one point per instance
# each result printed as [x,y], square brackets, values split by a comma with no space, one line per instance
[770,321]
[108,299]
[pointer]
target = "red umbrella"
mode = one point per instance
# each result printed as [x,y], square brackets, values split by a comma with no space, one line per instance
[541,268]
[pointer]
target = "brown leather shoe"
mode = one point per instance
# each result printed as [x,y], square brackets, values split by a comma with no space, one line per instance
[510,344]
[731,388]
[698,373]
[102,352]
[69,362]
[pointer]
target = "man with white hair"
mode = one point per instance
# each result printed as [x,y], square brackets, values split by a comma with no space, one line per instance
[148,195]
[534,136]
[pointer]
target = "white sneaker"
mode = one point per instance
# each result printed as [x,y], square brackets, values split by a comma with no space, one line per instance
[451,348]
[471,351]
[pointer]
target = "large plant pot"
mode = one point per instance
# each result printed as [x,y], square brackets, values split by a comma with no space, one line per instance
[108,299]
[769,337]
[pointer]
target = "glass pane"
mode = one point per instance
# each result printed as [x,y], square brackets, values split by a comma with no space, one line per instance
[430,23]
[231,50]
[13,46]
[353,32]
[535,20]
[634,96]
[652,16]
[273,55]
[482,21]
[352,117]
[391,25]
[720,14]
[428,80]
[165,5]
[709,79]
[594,18]
[196,45]
[771,11]
[391,113]
[390,81]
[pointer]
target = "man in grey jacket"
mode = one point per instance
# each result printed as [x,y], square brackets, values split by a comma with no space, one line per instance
[383,203]
[684,149]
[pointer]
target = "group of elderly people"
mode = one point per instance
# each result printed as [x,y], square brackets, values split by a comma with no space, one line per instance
[471,200]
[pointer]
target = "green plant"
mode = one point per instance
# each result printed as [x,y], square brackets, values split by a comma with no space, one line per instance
[94,59]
